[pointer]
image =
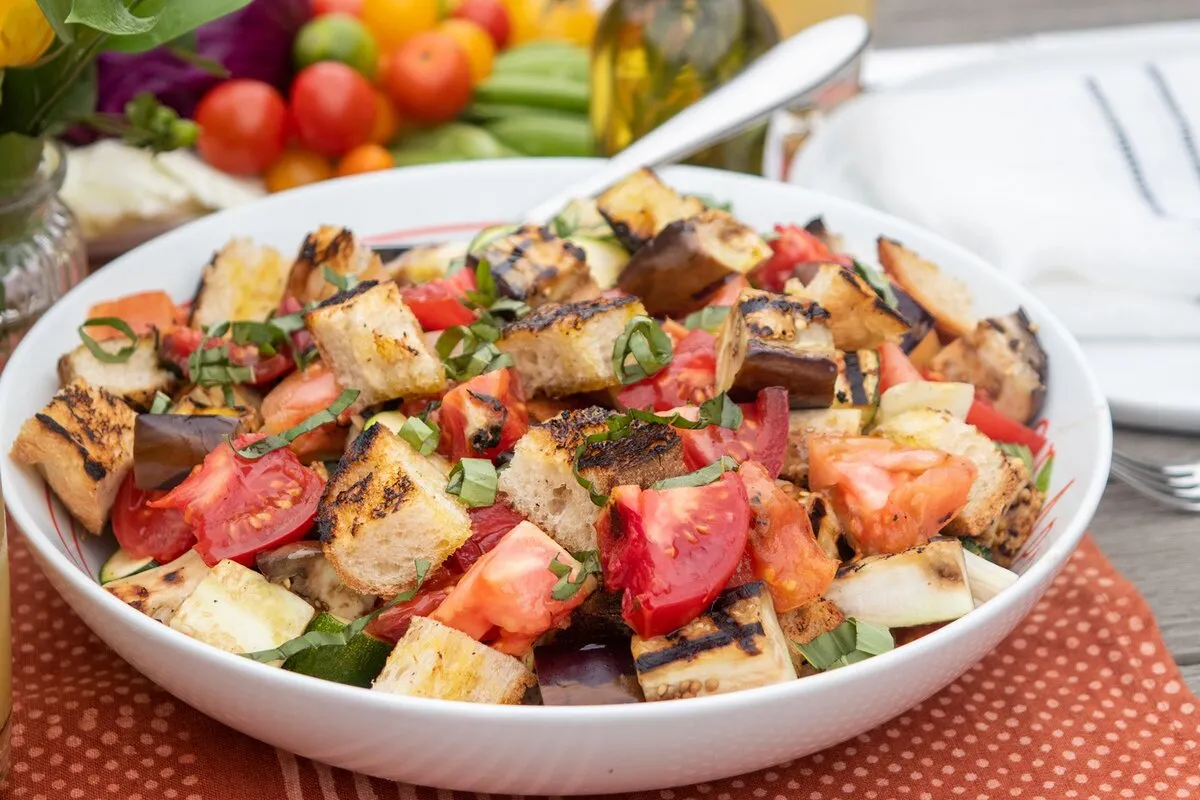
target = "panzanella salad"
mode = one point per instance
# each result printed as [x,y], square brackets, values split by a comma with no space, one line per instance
[642,453]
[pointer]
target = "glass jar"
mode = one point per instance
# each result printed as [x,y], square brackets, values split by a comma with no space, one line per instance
[42,252]
[653,58]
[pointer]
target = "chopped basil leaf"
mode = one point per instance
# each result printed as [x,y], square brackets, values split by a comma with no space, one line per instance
[94,347]
[266,336]
[649,345]
[421,434]
[880,283]
[311,639]
[566,588]
[485,292]
[343,283]
[711,202]
[848,643]
[473,481]
[272,443]
[973,546]
[709,318]
[485,358]
[304,358]
[701,477]
[1020,451]
[722,411]
[290,323]
[1042,481]
[161,403]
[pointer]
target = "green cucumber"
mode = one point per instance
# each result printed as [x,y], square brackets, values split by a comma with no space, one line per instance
[357,663]
[487,236]
[545,59]
[121,565]
[605,258]
[389,419]
[540,134]
[558,93]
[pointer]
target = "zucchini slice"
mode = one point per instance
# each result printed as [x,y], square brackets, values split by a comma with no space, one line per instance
[858,383]
[356,663]
[489,235]
[605,258]
[121,565]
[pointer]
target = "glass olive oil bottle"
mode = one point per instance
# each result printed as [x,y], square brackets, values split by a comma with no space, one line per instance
[653,58]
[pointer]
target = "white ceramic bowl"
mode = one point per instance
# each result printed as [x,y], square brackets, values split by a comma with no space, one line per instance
[514,749]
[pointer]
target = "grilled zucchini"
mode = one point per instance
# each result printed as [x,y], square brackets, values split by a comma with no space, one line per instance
[302,569]
[534,266]
[640,205]
[953,398]
[158,592]
[858,382]
[426,263]
[244,281]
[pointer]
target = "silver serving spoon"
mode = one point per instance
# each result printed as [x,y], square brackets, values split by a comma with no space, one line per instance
[780,76]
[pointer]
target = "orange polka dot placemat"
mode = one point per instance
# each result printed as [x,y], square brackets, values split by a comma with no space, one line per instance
[1082,701]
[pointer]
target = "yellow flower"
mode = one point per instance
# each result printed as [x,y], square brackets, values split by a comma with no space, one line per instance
[24,33]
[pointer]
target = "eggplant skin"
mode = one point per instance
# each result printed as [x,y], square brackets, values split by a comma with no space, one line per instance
[167,446]
[809,378]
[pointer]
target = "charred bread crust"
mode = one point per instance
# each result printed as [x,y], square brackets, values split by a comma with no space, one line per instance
[572,315]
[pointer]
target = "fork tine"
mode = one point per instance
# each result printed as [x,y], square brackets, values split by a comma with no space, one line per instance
[1172,470]
[1160,494]
[1181,477]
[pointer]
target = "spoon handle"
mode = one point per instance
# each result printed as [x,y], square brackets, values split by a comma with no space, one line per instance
[784,73]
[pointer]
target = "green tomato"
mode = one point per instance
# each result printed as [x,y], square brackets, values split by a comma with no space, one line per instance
[337,37]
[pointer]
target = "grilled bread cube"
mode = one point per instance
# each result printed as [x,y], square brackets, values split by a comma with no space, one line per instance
[244,281]
[384,508]
[136,379]
[689,259]
[640,205]
[82,444]
[539,481]
[772,340]
[336,248]
[158,592]
[858,317]
[802,625]
[1006,538]
[239,611]
[536,267]
[806,423]
[373,343]
[945,297]
[435,660]
[1000,477]
[210,401]
[737,645]
[1004,358]
[567,348]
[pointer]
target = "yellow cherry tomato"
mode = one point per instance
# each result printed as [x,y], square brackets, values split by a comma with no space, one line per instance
[297,168]
[522,17]
[25,34]
[476,44]
[365,158]
[392,22]
[568,20]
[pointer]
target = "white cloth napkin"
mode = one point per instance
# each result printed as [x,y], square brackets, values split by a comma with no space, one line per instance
[1081,180]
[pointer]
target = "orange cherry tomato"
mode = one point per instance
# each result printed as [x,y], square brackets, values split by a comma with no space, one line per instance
[428,78]
[141,312]
[387,121]
[297,168]
[393,22]
[476,44]
[491,15]
[365,158]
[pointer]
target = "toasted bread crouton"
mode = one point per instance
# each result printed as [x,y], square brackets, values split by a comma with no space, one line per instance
[803,624]
[434,660]
[858,317]
[384,508]
[534,266]
[136,379]
[210,401]
[82,444]
[805,423]
[338,249]
[373,343]
[1004,358]
[640,205]
[770,339]
[159,592]
[945,297]
[999,477]
[244,281]
[1012,530]
[567,348]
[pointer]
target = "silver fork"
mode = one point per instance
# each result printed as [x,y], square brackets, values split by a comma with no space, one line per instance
[1175,485]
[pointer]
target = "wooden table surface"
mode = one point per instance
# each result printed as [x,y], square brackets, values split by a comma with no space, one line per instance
[1158,549]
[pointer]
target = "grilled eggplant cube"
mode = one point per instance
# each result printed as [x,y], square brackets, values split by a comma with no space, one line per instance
[82,444]
[689,259]
[772,340]
[802,625]
[435,660]
[999,479]
[244,280]
[239,611]
[1004,358]
[815,422]
[135,379]
[737,645]
[945,297]
[373,343]
[158,592]
[857,383]
[534,266]
[640,205]
[858,317]
[567,348]
[211,401]
[924,584]
[384,508]
[338,249]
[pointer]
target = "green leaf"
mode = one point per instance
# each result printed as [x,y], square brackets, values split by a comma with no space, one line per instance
[110,16]
[56,12]
[1042,481]
[94,347]
[175,18]
[709,318]
[701,477]
[1020,451]
[852,641]
[188,55]
[566,588]
[647,343]
[973,546]
[324,417]
[422,434]
[881,285]
[161,404]
[343,283]
[47,98]
[473,481]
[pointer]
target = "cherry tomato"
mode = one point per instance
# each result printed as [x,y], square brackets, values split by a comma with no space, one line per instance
[142,312]
[491,15]
[428,78]
[438,304]
[690,378]
[295,399]
[365,158]
[895,367]
[762,436]
[351,7]
[672,550]
[783,550]
[239,507]
[393,22]
[387,122]
[243,126]
[568,20]
[334,107]
[505,599]
[483,417]
[297,168]
[178,346]
[792,246]
[476,44]
[888,497]
[144,532]
[489,525]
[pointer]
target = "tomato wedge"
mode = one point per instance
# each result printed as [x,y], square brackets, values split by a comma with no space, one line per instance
[178,346]
[762,437]
[489,525]
[238,507]
[438,304]
[483,417]
[792,245]
[505,599]
[888,497]
[145,532]
[296,398]
[672,550]
[143,312]
[690,378]
[783,550]
[392,624]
